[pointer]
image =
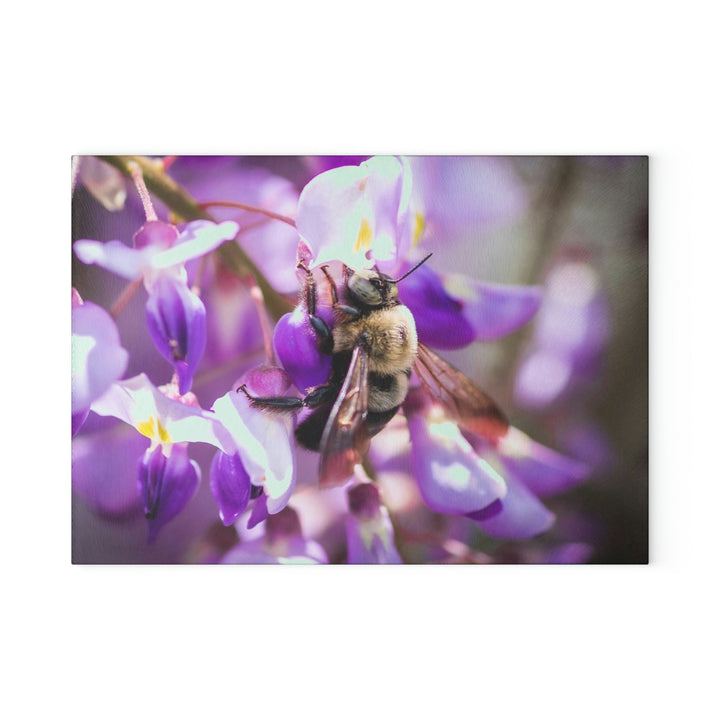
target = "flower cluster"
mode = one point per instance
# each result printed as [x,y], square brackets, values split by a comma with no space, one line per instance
[233,387]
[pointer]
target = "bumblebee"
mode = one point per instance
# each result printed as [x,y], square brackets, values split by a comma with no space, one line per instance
[374,347]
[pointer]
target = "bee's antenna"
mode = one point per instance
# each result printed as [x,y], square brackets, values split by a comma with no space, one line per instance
[411,270]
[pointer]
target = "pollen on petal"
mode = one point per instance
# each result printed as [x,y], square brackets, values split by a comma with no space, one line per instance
[418,228]
[364,237]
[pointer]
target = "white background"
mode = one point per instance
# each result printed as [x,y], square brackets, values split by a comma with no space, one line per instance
[321,78]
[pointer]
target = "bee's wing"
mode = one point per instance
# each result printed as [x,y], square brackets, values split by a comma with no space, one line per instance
[464,401]
[345,439]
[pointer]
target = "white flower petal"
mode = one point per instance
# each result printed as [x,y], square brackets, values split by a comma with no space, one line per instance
[199,238]
[114,256]
[264,443]
[139,403]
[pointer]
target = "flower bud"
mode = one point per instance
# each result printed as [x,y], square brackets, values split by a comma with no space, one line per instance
[157,233]
[368,528]
[296,346]
[230,486]
[176,320]
[166,484]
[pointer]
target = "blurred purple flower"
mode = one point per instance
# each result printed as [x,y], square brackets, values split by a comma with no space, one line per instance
[452,196]
[519,515]
[110,490]
[571,330]
[233,329]
[452,478]
[370,538]
[269,244]
[282,544]
[544,471]
[98,359]
[581,437]
[575,553]
[103,182]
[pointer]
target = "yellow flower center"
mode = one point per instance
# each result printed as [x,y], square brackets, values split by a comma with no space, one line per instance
[153,429]
[364,236]
[418,227]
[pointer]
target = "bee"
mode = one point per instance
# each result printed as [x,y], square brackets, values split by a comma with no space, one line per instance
[374,347]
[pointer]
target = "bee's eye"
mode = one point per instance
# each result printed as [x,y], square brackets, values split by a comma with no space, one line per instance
[367,290]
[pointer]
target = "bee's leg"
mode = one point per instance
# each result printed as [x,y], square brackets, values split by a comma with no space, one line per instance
[347,309]
[279,403]
[319,396]
[321,328]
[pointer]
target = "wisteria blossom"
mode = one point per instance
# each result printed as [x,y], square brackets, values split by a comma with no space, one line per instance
[214,430]
[370,536]
[570,333]
[175,315]
[282,544]
[98,359]
[167,478]
[260,443]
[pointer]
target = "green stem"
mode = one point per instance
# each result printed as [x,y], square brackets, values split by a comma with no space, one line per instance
[160,184]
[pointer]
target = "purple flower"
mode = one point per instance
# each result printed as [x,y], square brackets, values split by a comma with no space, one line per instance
[233,329]
[262,441]
[159,249]
[451,311]
[166,484]
[100,473]
[498,487]
[98,359]
[451,477]
[296,345]
[176,320]
[454,196]
[571,330]
[167,478]
[282,544]
[544,471]
[519,515]
[175,316]
[369,532]
[532,471]
[358,214]
[230,485]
